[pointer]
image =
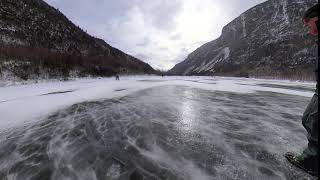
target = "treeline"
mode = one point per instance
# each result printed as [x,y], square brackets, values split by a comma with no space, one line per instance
[32,60]
[281,72]
[304,75]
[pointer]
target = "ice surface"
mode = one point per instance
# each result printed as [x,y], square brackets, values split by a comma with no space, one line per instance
[188,128]
[28,103]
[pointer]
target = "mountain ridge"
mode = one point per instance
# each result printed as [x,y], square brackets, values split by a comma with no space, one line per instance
[267,40]
[34,25]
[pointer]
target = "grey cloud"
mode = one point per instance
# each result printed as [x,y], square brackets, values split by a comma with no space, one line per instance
[144,42]
[184,50]
[176,37]
[161,12]
[142,56]
[93,11]
[183,54]
[163,48]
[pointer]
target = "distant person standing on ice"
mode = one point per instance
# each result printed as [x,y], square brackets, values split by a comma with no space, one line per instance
[117,77]
[308,160]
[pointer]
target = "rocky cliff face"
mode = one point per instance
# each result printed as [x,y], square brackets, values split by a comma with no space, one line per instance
[41,33]
[268,40]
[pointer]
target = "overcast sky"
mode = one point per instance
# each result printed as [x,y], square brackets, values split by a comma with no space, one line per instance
[159,32]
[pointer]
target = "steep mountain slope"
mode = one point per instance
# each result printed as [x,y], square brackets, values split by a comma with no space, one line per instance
[268,40]
[34,34]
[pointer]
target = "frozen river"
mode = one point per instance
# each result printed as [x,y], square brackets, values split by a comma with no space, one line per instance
[167,132]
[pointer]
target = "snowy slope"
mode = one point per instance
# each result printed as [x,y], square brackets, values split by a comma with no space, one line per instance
[268,40]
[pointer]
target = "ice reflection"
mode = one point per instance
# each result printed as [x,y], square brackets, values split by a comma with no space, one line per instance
[188,112]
